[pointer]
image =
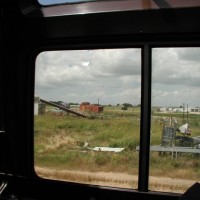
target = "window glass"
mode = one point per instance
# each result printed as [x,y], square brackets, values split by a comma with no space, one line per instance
[87,116]
[175,126]
[51,2]
[134,4]
[70,7]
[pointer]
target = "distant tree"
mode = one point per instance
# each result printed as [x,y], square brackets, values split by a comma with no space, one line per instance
[71,103]
[128,105]
[124,108]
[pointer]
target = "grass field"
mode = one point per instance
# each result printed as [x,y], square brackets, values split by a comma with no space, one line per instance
[60,143]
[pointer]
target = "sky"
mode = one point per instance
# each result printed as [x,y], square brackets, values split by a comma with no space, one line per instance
[175,76]
[50,2]
[113,76]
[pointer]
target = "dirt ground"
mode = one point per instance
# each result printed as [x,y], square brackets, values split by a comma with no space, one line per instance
[119,180]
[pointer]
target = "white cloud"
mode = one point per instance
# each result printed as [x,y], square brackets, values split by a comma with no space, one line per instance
[114,76]
[90,74]
[175,76]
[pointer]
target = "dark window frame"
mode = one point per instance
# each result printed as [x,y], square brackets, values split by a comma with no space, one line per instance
[146,74]
[35,33]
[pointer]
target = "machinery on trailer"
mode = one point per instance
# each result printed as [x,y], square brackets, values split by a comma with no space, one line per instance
[179,136]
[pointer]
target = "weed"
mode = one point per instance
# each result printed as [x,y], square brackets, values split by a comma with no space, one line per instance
[59,143]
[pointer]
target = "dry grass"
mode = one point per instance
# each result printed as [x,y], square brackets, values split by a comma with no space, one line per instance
[120,180]
[57,141]
[98,178]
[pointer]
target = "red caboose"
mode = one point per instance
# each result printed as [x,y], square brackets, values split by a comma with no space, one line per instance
[86,106]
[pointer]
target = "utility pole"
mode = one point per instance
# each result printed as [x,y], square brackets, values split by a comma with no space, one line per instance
[183,113]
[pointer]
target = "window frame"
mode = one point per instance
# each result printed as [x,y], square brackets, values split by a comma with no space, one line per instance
[146,81]
[37,33]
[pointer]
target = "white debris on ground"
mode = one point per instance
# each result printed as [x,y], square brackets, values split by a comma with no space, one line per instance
[109,149]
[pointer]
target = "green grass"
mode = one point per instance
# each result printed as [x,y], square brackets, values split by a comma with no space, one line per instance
[59,143]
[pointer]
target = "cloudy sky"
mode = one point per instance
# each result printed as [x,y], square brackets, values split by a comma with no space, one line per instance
[113,76]
[108,76]
[176,76]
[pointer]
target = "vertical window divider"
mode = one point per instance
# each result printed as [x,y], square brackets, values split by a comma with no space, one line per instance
[145,119]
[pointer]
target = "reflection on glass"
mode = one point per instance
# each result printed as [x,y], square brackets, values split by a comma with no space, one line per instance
[87,111]
[133,4]
[175,127]
[51,2]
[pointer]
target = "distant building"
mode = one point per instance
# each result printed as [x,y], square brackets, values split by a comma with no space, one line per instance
[36,105]
[169,109]
[163,109]
[39,108]
[194,109]
[86,106]
[178,110]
